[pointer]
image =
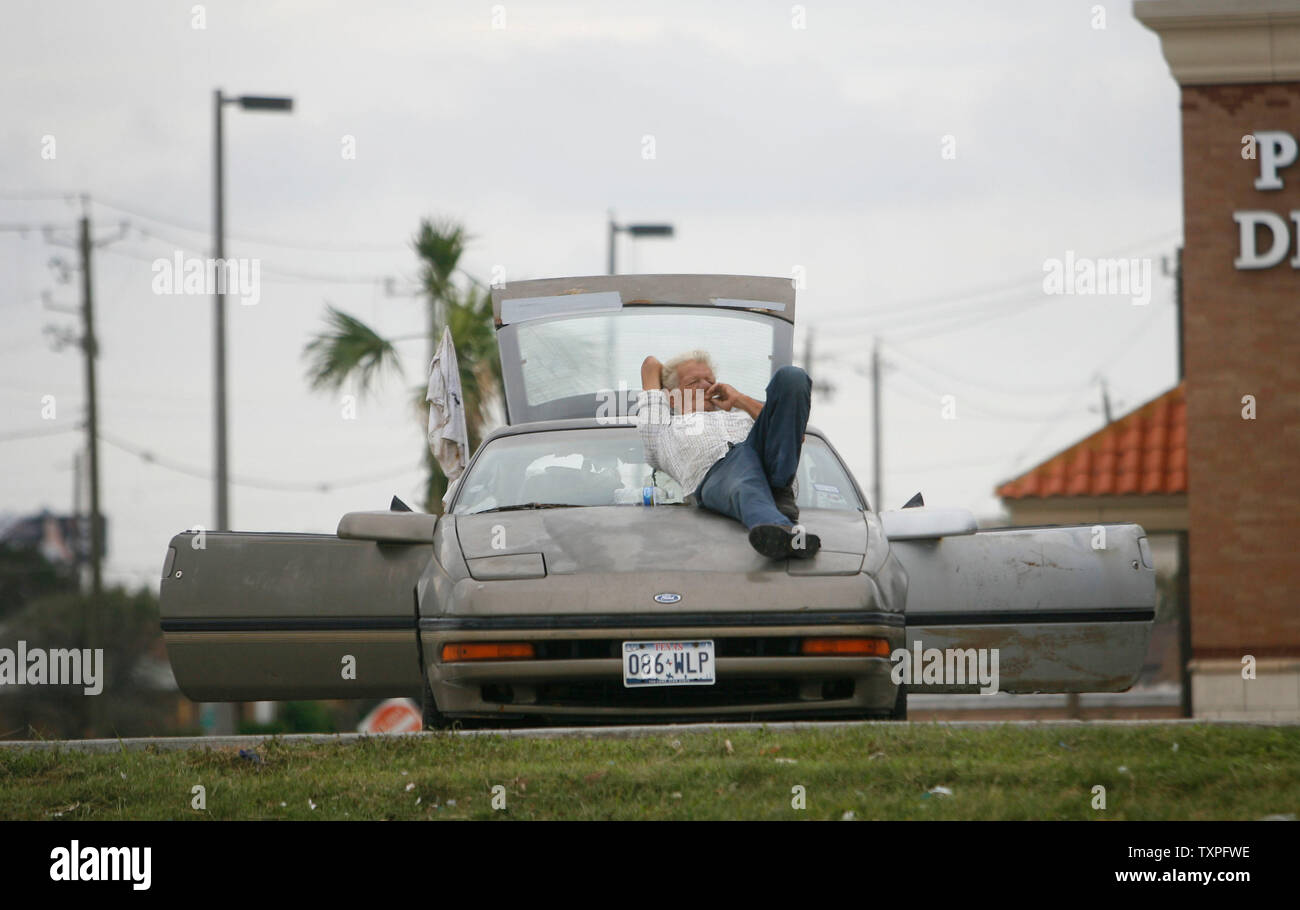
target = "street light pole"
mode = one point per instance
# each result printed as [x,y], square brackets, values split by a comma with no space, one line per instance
[612,229]
[876,425]
[219,318]
[248,103]
[636,230]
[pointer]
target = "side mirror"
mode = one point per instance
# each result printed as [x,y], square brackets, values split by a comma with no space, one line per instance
[921,523]
[388,527]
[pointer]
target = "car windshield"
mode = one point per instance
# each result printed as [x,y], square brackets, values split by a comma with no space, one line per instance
[606,467]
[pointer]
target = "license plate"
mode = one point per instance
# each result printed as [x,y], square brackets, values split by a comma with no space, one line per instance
[668,663]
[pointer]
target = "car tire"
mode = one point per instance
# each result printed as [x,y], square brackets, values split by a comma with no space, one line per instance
[900,705]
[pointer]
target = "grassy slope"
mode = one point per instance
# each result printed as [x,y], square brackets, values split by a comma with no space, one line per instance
[876,771]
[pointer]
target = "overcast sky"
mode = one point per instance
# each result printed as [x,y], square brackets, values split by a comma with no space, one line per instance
[776,148]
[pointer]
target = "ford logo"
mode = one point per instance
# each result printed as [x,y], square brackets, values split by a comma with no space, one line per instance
[667,598]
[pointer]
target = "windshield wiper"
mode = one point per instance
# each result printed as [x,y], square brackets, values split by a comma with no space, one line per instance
[529,505]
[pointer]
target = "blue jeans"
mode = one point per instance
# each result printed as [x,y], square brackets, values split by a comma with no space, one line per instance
[740,483]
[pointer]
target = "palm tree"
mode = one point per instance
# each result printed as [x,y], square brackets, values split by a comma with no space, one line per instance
[350,350]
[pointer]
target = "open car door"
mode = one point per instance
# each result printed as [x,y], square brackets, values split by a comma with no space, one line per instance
[1069,609]
[266,616]
[572,347]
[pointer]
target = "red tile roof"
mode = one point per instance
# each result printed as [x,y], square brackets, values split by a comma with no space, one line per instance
[1142,452]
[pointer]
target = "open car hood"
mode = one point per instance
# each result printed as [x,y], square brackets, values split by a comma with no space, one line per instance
[572,347]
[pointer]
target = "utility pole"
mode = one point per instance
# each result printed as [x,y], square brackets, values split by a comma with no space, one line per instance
[89,345]
[819,386]
[1105,401]
[91,348]
[78,465]
[875,419]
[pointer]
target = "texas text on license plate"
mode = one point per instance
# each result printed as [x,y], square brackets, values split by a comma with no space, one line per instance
[668,663]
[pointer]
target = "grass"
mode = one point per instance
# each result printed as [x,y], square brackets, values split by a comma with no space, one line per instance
[883,771]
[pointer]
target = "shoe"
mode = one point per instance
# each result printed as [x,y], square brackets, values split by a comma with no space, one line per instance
[778,542]
[811,544]
[784,499]
[773,541]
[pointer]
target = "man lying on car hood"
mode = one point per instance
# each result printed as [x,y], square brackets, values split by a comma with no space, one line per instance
[736,454]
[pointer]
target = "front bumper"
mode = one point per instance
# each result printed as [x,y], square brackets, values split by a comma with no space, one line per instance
[578,674]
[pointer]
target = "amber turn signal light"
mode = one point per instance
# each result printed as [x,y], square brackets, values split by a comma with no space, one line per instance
[486,651]
[846,647]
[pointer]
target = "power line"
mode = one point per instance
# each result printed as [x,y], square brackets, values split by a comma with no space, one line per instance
[259,484]
[980,410]
[941,323]
[277,276]
[272,272]
[264,241]
[988,290]
[1048,421]
[946,323]
[69,198]
[1037,388]
[42,228]
[993,413]
[1101,369]
[35,433]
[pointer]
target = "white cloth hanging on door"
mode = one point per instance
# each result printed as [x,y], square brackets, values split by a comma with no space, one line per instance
[448,437]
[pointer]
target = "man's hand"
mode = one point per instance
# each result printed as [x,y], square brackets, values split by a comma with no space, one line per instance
[723,395]
[726,397]
[652,373]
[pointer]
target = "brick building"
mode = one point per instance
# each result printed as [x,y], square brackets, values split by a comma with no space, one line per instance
[1237,63]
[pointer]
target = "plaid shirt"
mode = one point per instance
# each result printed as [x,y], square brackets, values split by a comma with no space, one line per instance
[686,445]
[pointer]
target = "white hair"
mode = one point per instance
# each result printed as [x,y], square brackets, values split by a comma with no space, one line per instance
[675,363]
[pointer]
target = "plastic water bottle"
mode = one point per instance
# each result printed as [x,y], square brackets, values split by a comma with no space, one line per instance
[651,496]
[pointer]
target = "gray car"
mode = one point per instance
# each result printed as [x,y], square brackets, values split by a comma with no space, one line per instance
[568,580]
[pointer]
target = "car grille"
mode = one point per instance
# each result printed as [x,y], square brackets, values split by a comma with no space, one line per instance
[725,693]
